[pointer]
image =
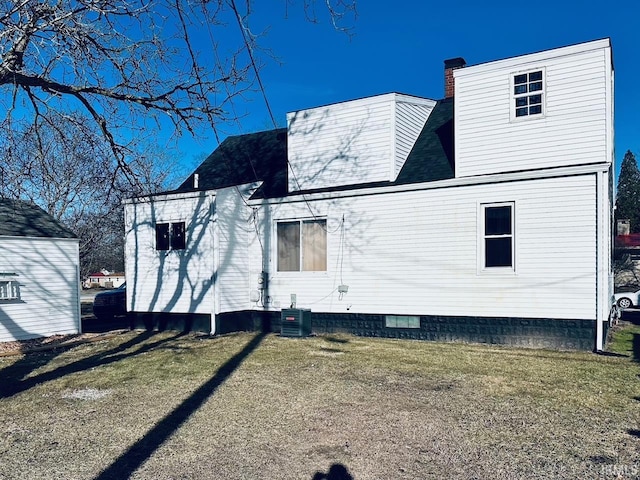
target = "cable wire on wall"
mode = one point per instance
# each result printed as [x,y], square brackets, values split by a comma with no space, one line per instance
[244,29]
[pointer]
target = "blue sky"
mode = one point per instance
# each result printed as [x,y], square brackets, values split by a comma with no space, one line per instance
[401,46]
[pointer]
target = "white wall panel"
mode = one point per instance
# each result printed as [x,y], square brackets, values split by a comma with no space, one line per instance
[572,131]
[185,281]
[233,226]
[360,141]
[48,273]
[410,119]
[417,253]
[176,281]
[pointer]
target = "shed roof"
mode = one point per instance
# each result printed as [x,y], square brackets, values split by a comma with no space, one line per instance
[23,219]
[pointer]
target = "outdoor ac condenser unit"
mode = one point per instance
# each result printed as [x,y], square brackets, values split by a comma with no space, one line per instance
[296,322]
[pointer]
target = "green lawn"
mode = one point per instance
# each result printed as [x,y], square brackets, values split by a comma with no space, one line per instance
[170,406]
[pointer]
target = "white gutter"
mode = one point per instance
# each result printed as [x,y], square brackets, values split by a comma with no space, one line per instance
[167,196]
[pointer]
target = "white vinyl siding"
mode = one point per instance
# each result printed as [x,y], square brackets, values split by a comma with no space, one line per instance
[410,119]
[360,141]
[234,225]
[572,130]
[210,275]
[417,253]
[48,283]
[174,280]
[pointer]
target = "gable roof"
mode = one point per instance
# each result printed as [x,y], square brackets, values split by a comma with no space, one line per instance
[262,157]
[23,219]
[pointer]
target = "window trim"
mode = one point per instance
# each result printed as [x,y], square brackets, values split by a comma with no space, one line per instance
[171,243]
[12,287]
[482,237]
[300,221]
[513,96]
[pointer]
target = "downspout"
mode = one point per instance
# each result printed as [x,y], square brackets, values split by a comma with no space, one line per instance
[215,261]
[79,288]
[601,290]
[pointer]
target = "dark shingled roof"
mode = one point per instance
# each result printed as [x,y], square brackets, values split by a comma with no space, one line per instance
[244,159]
[22,219]
[431,158]
[263,156]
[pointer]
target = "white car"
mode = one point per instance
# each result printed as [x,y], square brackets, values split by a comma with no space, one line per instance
[627,299]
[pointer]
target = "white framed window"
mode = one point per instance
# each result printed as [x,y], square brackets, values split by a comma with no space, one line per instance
[170,236]
[497,236]
[302,245]
[9,286]
[528,94]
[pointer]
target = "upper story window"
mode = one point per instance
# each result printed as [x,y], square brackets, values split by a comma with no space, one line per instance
[170,236]
[9,286]
[528,94]
[498,236]
[302,246]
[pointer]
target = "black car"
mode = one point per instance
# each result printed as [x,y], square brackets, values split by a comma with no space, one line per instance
[107,305]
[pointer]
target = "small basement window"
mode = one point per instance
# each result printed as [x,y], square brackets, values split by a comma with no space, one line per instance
[170,236]
[527,94]
[401,321]
[9,286]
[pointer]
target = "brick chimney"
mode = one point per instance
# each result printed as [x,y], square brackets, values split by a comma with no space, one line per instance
[449,66]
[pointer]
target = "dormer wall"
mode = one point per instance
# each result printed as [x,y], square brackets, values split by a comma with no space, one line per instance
[543,110]
[360,141]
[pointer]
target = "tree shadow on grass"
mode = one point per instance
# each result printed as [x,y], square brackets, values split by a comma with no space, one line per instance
[93,325]
[15,377]
[140,451]
[332,339]
[636,358]
[636,347]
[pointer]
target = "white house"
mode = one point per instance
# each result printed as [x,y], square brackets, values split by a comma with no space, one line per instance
[104,279]
[484,216]
[39,274]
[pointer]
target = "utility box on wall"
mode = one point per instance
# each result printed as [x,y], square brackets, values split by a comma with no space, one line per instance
[296,322]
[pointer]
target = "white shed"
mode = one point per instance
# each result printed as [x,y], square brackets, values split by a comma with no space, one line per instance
[39,274]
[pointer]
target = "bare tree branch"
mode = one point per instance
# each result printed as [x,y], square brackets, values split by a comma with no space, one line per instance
[132,65]
[64,165]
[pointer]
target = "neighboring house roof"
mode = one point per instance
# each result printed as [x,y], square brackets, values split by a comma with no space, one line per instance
[262,157]
[22,219]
